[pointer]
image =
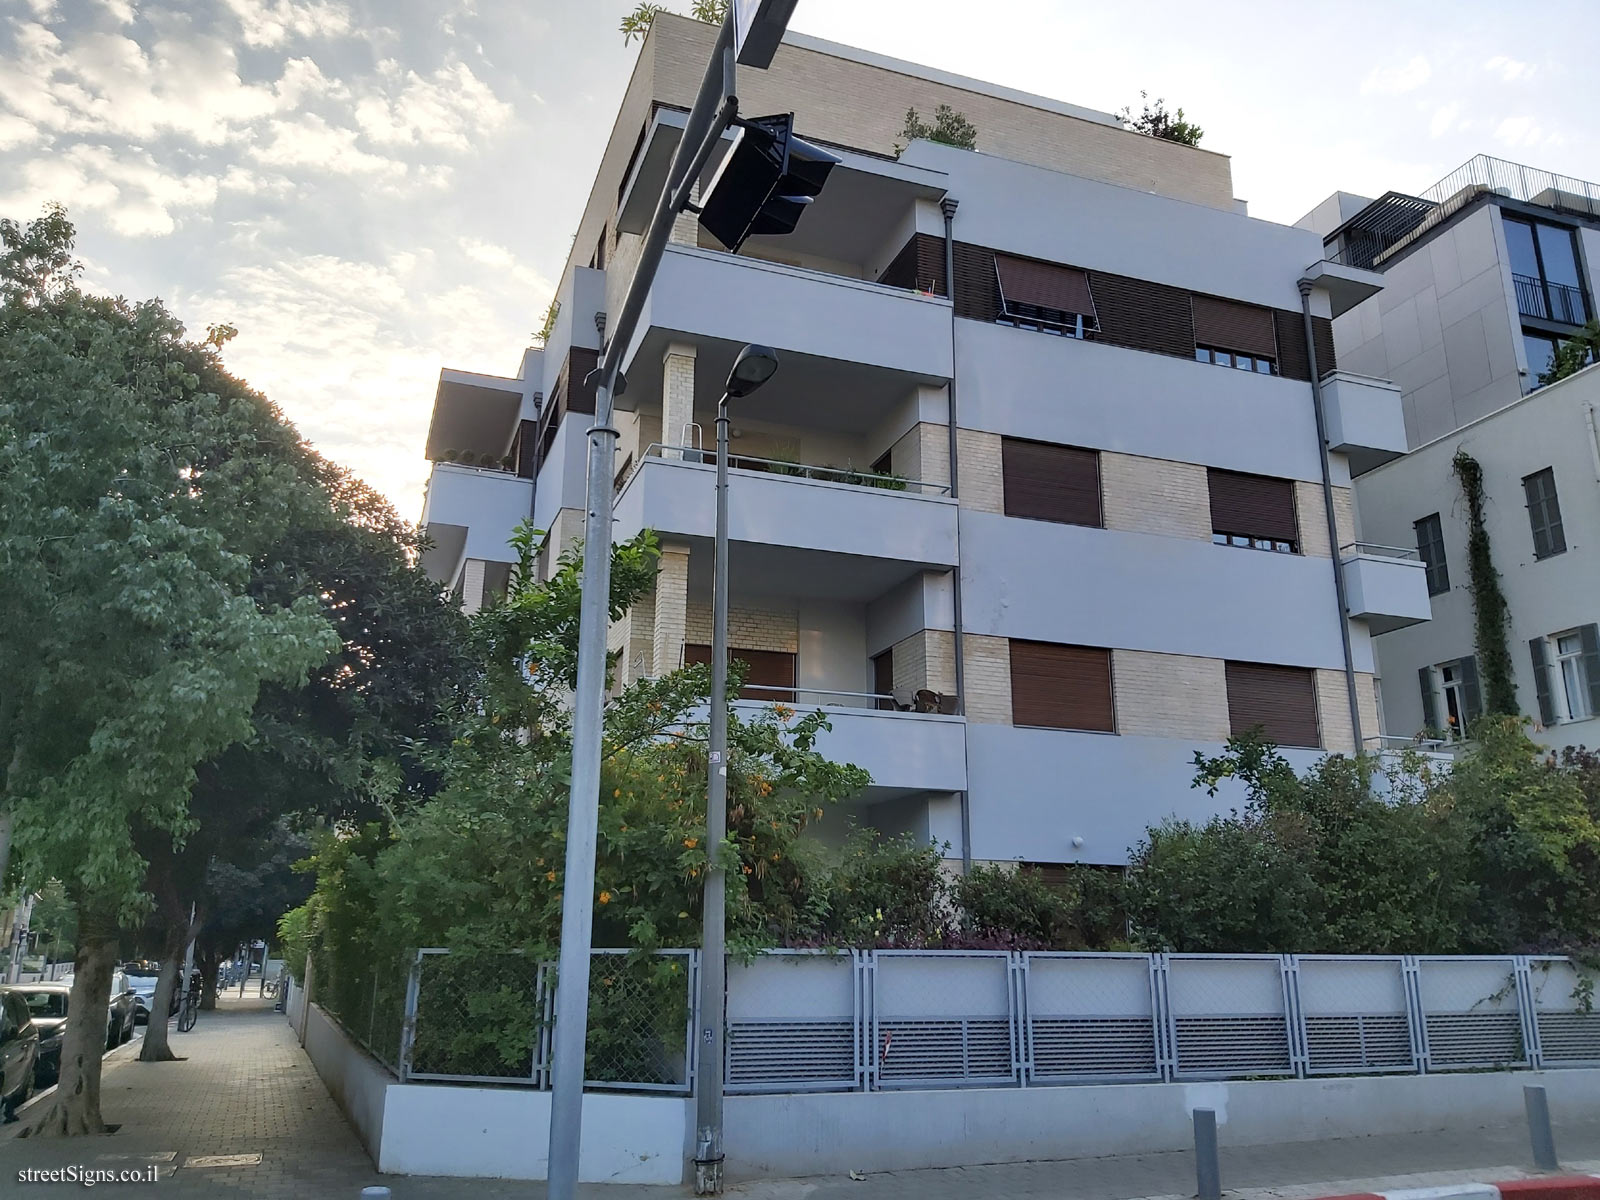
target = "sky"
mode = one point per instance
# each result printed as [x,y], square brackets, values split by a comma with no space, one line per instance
[370,190]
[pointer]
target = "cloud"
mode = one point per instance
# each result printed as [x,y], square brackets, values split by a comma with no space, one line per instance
[450,108]
[271,23]
[122,10]
[309,141]
[1509,69]
[1443,118]
[1526,131]
[137,197]
[1392,81]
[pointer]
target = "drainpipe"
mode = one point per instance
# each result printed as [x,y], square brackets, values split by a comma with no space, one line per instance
[1327,504]
[1594,441]
[948,206]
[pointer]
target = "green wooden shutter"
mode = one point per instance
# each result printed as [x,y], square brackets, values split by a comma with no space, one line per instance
[1469,686]
[1430,707]
[1541,680]
[1589,635]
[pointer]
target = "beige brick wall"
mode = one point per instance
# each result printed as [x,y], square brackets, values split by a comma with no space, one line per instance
[1152,495]
[1313,518]
[677,394]
[923,454]
[669,609]
[472,571]
[982,479]
[988,678]
[748,628]
[1333,707]
[1170,695]
[566,530]
[926,659]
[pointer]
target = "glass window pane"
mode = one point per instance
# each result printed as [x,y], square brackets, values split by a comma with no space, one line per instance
[1541,353]
[1568,644]
[1263,366]
[1572,683]
[1244,362]
[1222,358]
[1201,354]
[1519,241]
[1220,539]
[1560,264]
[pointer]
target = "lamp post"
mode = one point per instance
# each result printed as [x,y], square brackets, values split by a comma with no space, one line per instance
[752,368]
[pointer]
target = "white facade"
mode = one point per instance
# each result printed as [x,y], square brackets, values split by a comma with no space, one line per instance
[1551,599]
[850,536]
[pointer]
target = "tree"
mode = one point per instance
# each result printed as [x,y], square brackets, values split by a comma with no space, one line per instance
[949,128]
[637,23]
[137,480]
[1155,121]
[1574,354]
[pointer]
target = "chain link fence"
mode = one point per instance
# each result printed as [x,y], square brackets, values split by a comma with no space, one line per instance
[869,1020]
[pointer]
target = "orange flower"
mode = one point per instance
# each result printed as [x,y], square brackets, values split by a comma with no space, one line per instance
[691,842]
[605,897]
[783,711]
[550,875]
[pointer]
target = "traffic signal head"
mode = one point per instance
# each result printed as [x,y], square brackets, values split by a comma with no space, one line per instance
[764,183]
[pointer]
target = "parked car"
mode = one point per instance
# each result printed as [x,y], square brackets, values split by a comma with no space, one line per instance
[47,1006]
[143,981]
[121,1019]
[19,1054]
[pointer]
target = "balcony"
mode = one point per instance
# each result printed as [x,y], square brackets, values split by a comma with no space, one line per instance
[1365,419]
[1385,586]
[803,530]
[1549,301]
[469,512]
[726,300]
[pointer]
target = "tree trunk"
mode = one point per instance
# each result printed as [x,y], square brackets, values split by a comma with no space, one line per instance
[75,1108]
[156,1047]
[210,964]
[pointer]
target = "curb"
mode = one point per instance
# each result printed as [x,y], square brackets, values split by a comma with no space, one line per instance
[1553,1187]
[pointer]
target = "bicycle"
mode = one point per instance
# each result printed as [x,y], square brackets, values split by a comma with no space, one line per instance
[188,1011]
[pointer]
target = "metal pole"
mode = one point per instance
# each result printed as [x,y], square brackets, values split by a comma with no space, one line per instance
[1537,1105]
[1207,1170]
[1333,523]
[707,119]
[713,962]
[948,206]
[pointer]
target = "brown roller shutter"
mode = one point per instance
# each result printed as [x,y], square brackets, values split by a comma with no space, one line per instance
[1043,285]
[769,674]
[524,452]
[1143,315]
[1256,506]
[1293,362]
[902,269]
[1061,687]
[581,363]
[1322,334]
[1051,483]
[977,291]
[918,266]
[1281,700]
[1229,325]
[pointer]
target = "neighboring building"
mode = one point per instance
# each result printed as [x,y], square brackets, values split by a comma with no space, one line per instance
[1485,273]
[1136,522]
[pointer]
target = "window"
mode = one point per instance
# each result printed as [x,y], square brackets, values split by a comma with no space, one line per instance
[1281,701]
[1451,697]
[1544,513]
[1544,272]
[1573,659]
[1252,511]
[1061,687]
[1046,482]
[768,675]
[1230,334]
[1430,548]
[1541,351]
[883,680]
[1044,297]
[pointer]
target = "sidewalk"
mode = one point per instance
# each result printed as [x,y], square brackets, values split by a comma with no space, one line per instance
[248,1090]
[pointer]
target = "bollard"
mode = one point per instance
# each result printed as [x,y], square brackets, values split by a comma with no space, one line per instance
[1544,1138]
[1207,1170]
[374,1193]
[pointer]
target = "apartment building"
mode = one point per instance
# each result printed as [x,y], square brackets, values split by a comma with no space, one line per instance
[1081,474]
[1485,274]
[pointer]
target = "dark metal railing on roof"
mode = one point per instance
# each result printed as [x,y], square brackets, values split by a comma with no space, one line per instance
[1394,221]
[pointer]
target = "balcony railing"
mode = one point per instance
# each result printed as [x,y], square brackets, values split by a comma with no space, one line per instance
[774,466]
[1550,301]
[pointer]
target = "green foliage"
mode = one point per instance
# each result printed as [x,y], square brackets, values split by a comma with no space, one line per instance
[949,128]
[637,23]
[1574,354]
[543,335]
[1492,617]
[1155,121]
[294,941]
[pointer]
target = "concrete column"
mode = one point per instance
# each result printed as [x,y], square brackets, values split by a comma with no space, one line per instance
[671,609]
[677,395]
[472,585]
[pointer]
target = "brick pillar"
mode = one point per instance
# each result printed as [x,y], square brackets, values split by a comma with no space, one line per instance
[472,585]
[671,609]
[677,394]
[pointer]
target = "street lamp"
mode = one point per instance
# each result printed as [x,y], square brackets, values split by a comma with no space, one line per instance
[752,368]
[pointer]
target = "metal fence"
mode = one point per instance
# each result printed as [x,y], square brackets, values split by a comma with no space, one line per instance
[865,1020]
[368,999]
